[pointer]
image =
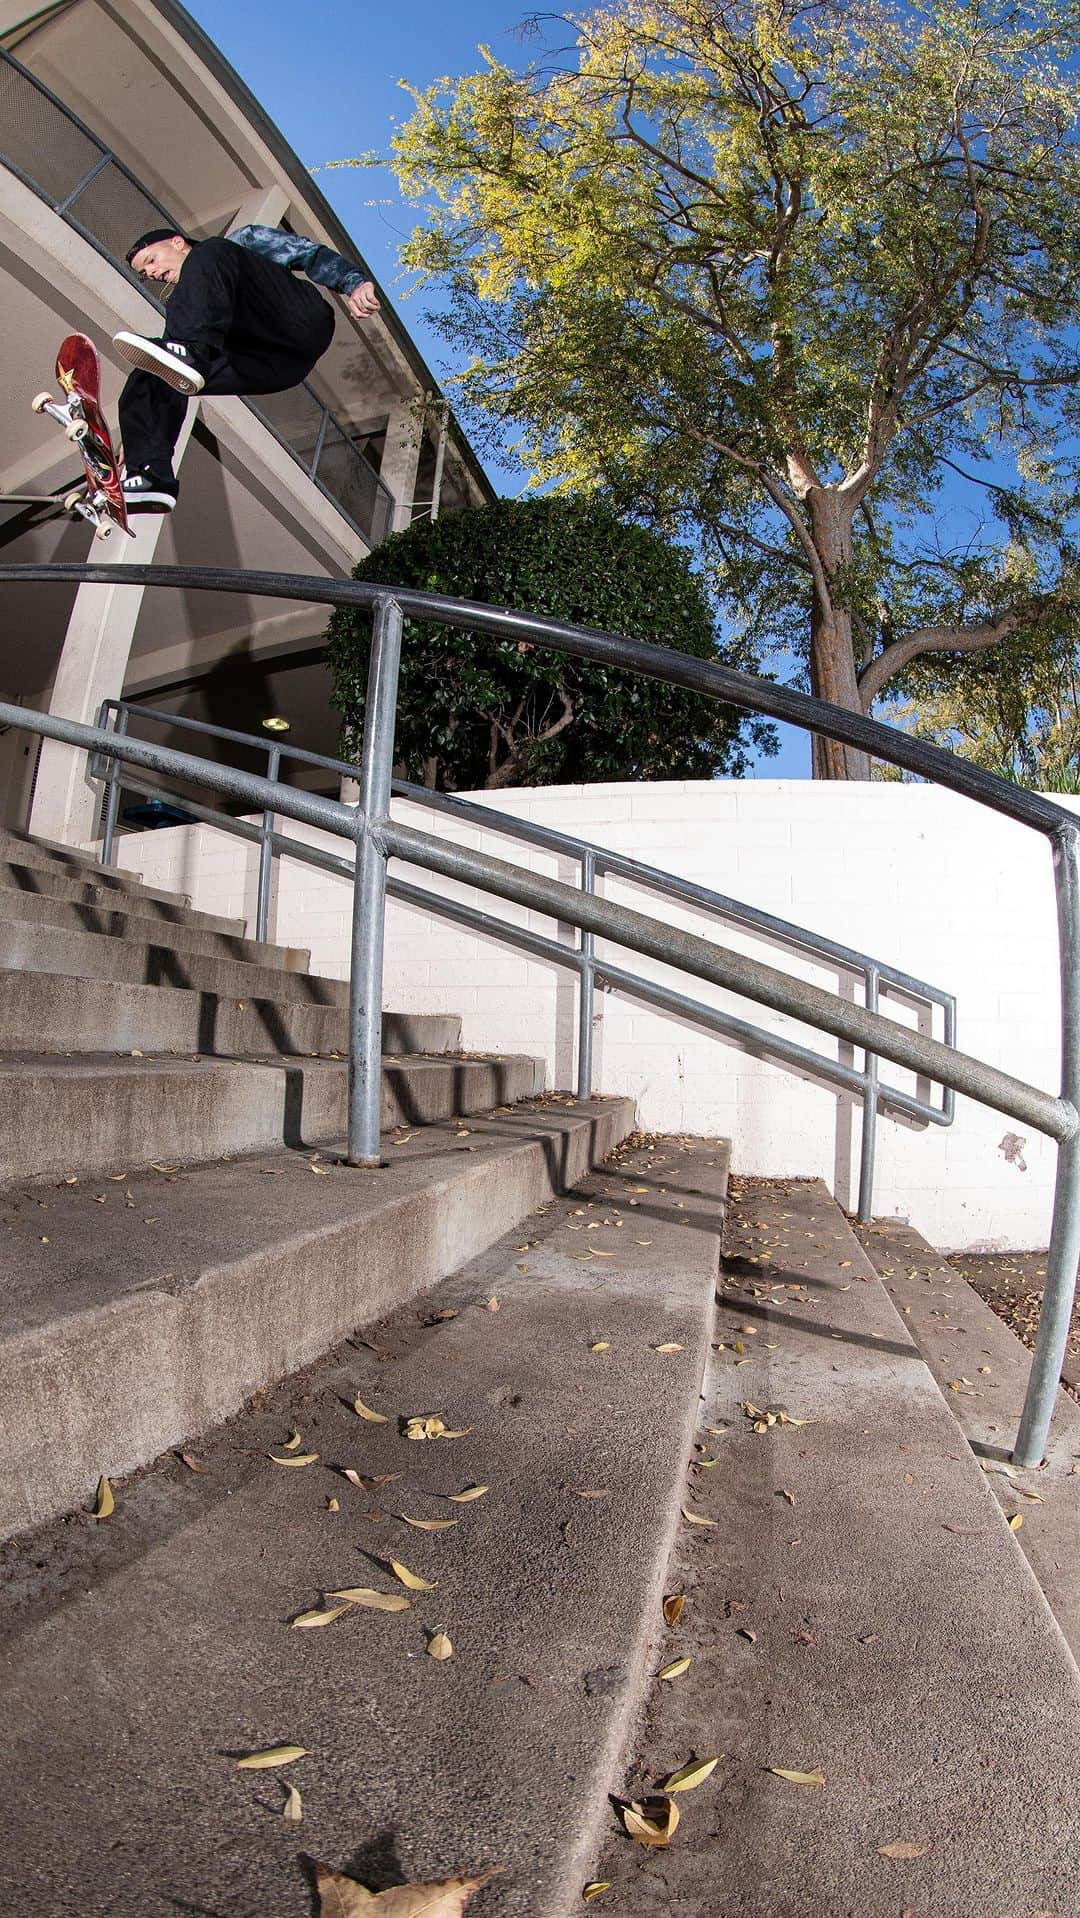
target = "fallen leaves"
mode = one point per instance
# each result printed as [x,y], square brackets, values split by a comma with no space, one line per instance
[105,1504]
[276,1755]
[299,1458]
[305,1620]
[902,1848]
[428,1524]
[374,1601]
[673,1605]
[652,1823]
[797,1777]
[594,1888]
[676,1669]
[428,1426]
[410,1579]
[671,1346]
[470,1492]
[365,1412]
[341,1897]
[696,1518]
[439,1646]
[690,1776]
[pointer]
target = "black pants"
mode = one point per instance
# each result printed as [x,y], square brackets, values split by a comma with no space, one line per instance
[249,325]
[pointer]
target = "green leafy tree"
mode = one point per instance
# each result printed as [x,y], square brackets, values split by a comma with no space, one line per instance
[1016,711]
[475,711]
[775,274]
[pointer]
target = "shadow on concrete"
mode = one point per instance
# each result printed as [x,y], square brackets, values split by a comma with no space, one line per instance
[818,1330]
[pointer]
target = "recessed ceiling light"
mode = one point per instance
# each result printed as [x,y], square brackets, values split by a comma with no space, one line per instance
[275,724]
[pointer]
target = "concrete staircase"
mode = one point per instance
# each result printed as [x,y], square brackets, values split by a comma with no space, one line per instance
[666,1382]
[153,1273]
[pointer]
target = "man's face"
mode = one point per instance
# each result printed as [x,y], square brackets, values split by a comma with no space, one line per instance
[161,261]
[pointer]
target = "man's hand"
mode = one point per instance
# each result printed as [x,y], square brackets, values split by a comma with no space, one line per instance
[362,302]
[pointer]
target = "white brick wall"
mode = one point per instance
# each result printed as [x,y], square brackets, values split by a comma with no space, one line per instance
[914,876]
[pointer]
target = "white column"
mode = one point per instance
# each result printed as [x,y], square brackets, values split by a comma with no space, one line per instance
[400,460]
[92,667]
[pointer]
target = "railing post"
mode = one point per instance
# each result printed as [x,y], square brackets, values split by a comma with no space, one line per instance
[266,850]
[369,888]
[586,986]
[1064,1253]
[868,1142]
[112,794]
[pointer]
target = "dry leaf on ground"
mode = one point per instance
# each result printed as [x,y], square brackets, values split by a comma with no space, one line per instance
[695,1518]
[375,1601]
[293,1810]
[470,1492]
[798,1777]
[412,1579]
[293,1442]
[106,1504]
[594,1888]
[429,1524]
[298,1458]
[676,1669]
[653,1823]
[902,1848]
[439,1646]
[365,1412]
[424,1426]
[275,1755]
[319,1616]
[341,1897]
[691,1775]
[673,1605]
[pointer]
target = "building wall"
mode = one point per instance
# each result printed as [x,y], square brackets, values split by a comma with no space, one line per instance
[908,874]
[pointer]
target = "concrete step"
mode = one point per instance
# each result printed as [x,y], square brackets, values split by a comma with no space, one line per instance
[982,1370]
[133,921]
[155,961]
[858,1609]
[33,868]
[168,1624]
[98,1115]
[24,848]
[42,1011]
[139,1324]
[164,907]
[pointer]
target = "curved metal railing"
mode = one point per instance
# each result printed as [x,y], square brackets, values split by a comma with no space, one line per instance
[378,838]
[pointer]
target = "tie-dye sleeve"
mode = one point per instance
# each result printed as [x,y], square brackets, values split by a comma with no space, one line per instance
[299,255]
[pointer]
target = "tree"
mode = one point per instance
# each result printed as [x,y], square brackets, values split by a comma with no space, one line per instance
[1015,712]
[784,276]
[475,711]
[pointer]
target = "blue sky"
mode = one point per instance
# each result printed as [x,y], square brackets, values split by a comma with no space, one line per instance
[327,73]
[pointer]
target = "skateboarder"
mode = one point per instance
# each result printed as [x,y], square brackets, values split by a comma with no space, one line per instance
[238,322]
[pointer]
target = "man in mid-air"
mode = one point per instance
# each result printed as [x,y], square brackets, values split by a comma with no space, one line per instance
[237,321]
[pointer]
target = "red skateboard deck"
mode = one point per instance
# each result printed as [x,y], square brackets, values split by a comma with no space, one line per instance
[78,371]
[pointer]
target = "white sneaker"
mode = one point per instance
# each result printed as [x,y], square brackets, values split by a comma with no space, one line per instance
[167,358]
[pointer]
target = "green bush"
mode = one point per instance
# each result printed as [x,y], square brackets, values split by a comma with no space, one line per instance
[475,711]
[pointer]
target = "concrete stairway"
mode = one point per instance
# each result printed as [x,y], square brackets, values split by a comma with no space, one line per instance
[152,1273]
[856,1610]
[663,1386]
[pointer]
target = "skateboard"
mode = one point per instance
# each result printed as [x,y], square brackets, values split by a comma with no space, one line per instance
[78,371]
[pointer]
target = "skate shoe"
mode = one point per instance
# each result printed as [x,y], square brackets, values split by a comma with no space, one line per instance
[167,358]
[146,492]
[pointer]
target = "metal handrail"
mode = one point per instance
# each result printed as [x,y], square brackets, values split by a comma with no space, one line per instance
[106,157]
[378,838]
[592,861]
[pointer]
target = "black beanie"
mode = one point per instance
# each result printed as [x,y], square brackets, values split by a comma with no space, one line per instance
[150,239]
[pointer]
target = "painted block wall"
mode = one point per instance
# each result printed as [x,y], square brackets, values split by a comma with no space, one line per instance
[911,875]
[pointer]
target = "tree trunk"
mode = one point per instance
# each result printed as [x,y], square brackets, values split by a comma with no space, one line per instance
[832,659]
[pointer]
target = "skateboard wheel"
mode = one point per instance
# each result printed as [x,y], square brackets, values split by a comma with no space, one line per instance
[77,430]
[72,501]
[40,401]
[103,531]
